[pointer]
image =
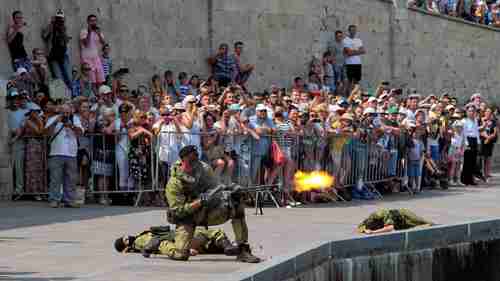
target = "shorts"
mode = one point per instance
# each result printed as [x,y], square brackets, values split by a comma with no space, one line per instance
[353,72]
[97,73]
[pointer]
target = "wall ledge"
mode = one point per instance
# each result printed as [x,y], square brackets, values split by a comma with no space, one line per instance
[455,19]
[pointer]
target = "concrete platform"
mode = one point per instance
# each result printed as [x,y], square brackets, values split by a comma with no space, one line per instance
[41,244]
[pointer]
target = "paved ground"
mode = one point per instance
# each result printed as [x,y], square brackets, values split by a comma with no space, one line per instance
[41,244]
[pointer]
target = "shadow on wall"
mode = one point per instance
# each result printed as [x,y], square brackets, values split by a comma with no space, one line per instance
[26,214]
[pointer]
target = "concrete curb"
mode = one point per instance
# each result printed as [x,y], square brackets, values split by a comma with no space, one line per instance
[290,265]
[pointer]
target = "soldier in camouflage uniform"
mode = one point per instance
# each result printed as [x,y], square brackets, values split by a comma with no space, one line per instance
[187,192]
[205,241]
[385,220]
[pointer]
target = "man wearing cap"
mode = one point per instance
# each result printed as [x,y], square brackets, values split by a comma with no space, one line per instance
[57,39]
[264,126]
[16,118]
[24,82]
[188,193]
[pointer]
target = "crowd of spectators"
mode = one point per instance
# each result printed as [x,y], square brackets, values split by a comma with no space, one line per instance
[98,132]
[485,12]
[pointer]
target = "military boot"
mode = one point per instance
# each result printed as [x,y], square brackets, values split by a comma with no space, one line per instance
[245,254]
[151,247]
[229,248]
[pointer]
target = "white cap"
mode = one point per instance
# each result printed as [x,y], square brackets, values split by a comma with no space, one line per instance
[179,106]
[21,70]
[260,107]
[104,89]
[372,99]
[475,95]
[335,108]
[369,110]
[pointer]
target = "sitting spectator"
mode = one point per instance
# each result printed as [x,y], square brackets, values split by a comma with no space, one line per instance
[90,40]
[243,71]
[57,39]
[107,62]
[40,71]
[223,66]
[15,41]
[83,85]
[64,130]
[170,87]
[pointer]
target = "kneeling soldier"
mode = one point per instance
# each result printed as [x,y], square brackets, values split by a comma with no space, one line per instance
[160,240]
[191,192]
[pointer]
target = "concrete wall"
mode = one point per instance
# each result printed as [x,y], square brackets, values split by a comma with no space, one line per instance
[458,252]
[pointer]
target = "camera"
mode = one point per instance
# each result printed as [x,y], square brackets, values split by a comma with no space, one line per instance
[67,119]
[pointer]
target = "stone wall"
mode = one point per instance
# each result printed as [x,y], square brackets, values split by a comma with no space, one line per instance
[414,49]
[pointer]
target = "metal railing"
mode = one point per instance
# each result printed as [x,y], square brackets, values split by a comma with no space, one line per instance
[117,164]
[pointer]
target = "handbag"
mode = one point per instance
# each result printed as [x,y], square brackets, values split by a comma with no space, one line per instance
[277,154]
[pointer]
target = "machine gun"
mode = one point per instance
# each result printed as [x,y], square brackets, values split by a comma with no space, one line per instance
[231,195]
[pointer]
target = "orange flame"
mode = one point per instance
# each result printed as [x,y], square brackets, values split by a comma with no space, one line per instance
[312,181]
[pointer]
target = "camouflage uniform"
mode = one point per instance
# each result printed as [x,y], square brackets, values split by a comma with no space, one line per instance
[207,241]
[181,190]
[399,218]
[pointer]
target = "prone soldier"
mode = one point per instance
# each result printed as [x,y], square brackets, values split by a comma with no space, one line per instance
[160,240]
[191,193]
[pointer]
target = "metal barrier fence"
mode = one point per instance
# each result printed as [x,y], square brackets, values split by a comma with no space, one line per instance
[116,164]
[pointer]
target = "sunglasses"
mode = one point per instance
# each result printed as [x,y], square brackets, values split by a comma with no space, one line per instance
[87,69]
[124,90]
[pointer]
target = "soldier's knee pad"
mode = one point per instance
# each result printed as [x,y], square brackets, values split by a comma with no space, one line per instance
[180,256]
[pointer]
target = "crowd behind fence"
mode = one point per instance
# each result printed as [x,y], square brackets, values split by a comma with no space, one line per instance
[105,167]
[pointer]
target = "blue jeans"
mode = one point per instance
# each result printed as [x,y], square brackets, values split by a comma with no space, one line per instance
[63,171]
[62,70]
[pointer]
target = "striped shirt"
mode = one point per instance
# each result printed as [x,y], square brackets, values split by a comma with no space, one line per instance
[107,66]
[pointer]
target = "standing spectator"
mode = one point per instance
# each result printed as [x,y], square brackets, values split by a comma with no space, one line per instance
[329,78]
[415,156]
[471,134]
[15,42]
[88,120]
[139,154]
[353,49]
[488,139]
[456,154]
[168,131]
[16,120]
[264,127]
[56,38]
[223,66]
[243,71]
[34,163]
[107,62]
[122,147]
[336,48]
[90,40]
[64,130]
[104,154]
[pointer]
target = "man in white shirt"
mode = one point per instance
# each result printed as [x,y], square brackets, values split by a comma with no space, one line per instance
[353,49]
[64,130]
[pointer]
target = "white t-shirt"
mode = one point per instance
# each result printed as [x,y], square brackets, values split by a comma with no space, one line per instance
[168,141]
[353,44]
[65,143]
[123,136]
